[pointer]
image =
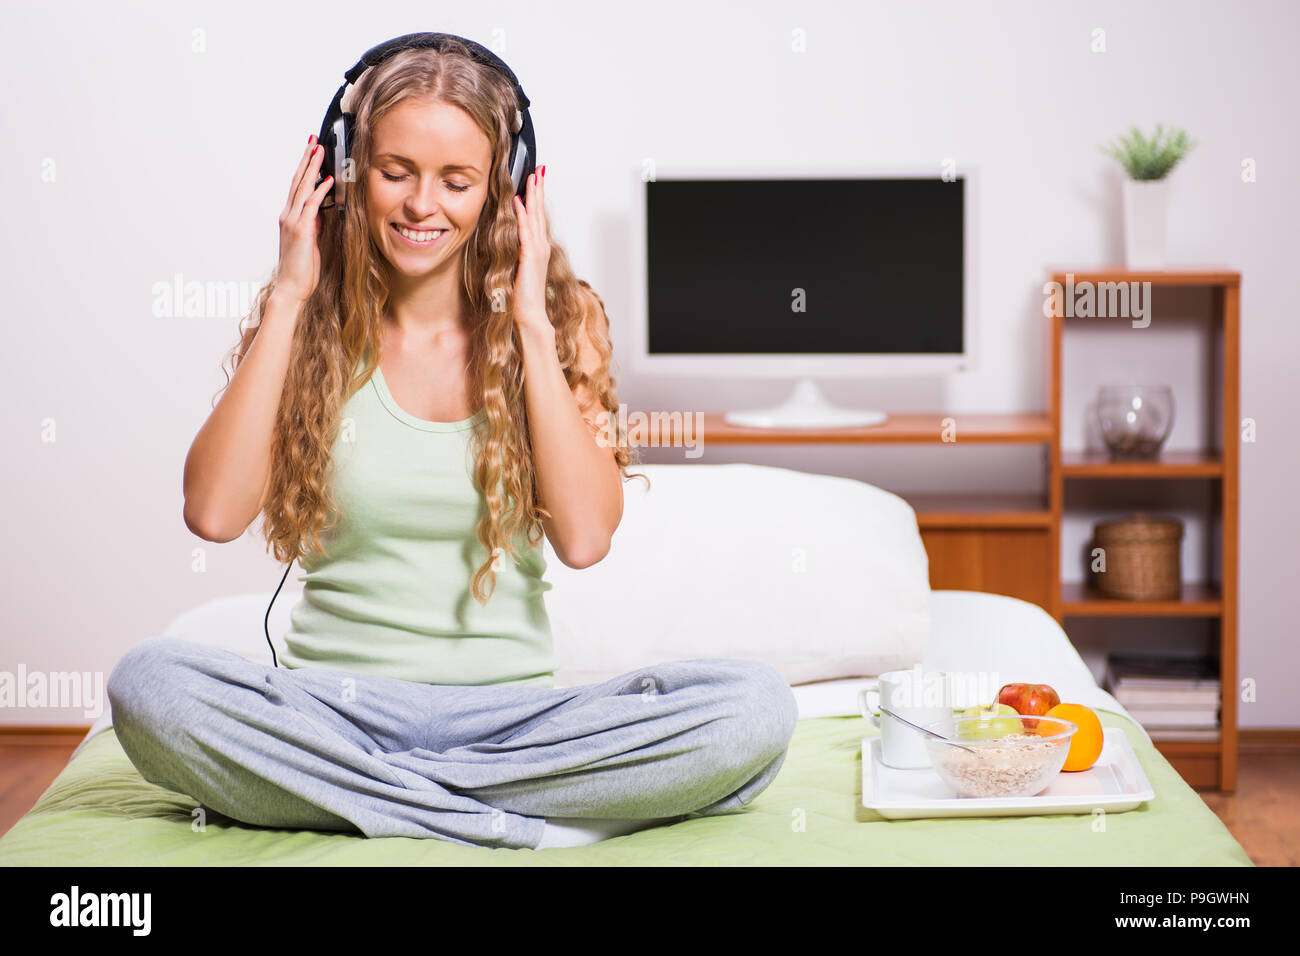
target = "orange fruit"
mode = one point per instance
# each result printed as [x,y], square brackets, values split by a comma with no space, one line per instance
[1085,745]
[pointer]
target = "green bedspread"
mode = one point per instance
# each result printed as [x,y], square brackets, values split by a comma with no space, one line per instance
[100,811]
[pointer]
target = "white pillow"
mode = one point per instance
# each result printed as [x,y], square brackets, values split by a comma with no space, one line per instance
[820,576]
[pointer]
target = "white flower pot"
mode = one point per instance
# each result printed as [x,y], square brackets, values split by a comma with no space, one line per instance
[1144,223]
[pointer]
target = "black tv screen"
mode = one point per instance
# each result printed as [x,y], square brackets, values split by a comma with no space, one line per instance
[780,266]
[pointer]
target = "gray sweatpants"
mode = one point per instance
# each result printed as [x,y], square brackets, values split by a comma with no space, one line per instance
[324,749]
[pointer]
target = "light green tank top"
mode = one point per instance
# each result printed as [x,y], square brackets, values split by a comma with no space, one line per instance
[392,598]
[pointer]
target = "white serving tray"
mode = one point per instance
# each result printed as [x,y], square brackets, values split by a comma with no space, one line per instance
[1114,783]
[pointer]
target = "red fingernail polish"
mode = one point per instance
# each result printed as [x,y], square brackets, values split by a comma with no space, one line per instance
[543,172]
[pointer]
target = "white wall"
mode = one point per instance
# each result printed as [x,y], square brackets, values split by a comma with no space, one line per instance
[167,160]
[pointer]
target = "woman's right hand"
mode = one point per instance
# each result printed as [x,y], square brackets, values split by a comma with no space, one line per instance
[299,268]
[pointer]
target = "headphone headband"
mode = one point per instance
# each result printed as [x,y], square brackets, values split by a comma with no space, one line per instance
[336,132]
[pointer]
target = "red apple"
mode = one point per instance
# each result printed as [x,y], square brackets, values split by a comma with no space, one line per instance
[1029,700]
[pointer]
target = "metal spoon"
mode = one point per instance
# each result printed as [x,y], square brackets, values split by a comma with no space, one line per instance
[931,733]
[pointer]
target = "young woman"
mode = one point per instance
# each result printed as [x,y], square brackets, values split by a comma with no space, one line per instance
[417,404]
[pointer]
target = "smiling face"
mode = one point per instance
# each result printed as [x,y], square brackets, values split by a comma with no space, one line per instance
[428,174]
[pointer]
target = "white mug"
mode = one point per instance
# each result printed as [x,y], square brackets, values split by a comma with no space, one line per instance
[923,697]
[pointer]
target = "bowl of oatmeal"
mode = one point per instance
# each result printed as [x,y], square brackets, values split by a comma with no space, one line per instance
[1019,764]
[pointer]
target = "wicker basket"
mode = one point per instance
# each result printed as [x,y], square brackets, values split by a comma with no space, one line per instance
[1143,558]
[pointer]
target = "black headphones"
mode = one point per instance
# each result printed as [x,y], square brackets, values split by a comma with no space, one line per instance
[336,132]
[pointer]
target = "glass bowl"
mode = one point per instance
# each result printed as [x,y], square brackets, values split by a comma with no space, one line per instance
[1005,762]
[1135,419]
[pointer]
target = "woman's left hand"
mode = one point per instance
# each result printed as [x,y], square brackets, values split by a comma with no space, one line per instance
[534,255]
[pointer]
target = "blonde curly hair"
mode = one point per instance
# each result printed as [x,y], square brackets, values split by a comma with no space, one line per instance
[341,323]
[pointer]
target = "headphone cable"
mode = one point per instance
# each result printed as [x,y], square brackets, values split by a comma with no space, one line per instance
[266,624]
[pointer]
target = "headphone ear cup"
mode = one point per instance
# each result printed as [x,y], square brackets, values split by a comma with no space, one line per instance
[342,157]
[523,158]
[326,144]
[518,162]
[334,151]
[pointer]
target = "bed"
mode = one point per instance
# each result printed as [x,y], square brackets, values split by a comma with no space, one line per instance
[866,608]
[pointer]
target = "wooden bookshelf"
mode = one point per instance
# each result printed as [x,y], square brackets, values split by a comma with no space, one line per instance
[1197,600]
[1011,544]
[980,511]
[1211,762]
[901,428]
[1172,464]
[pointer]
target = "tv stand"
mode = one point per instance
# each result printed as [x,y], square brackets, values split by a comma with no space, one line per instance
[806,407]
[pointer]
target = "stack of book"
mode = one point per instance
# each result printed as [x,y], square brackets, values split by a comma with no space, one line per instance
[1173,698]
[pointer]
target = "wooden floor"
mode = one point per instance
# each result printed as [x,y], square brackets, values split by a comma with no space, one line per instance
[1263,815]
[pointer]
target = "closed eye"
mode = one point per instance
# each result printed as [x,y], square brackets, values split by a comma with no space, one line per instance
[398,179]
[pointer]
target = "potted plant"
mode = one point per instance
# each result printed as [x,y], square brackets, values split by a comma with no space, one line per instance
[1147,162]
